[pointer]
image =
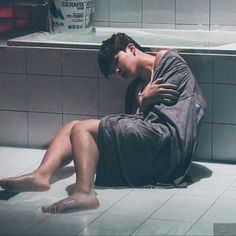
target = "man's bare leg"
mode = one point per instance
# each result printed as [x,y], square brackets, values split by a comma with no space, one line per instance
[58,154]
[85,153]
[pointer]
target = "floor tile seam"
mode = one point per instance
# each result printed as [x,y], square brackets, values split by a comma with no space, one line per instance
[206,210]
[102,213]
[11,154]
[170,220]
[149,217]
[228,188]
[233,182]
[217,185]
[25,171]
[27,232]
[199,195]
[20,200]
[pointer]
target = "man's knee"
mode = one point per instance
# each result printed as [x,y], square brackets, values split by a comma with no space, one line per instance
[77,127]
[81,126]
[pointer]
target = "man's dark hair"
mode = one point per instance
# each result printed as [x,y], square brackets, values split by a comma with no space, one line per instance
[108,50]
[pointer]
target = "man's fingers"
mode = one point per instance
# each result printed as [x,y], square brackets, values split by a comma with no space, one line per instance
[166,86]
[168,102]
[169,91]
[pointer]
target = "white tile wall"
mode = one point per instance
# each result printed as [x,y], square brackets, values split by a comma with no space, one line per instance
[111,96]
[12,60]
[224,69]
[43,61]
[45,93]
[192,12]
[42,127]
[102,13]
[223,12]
[13,91]
[207,93]
[13,127]
[224,103]
[179,14]
[159,12]
[125,11]
[204,151]
[79,63]
[80,95]
[223,146]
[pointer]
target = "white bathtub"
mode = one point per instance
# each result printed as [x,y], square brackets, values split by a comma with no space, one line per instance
[152,38]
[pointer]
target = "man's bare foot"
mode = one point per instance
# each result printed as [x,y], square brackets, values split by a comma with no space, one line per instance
[25,183]
[77,201]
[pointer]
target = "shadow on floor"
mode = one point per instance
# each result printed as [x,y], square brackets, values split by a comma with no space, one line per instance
[63,173]
[5,195]
[198,172]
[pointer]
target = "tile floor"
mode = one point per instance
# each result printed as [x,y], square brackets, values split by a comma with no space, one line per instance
[123,211]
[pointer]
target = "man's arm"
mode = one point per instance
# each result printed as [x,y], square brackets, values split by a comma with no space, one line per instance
[158,93]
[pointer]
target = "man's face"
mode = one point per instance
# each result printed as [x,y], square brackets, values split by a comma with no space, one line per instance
[125,65]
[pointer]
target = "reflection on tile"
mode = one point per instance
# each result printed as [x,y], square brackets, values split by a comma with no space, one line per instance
[122,211]
[60,225]
[162,227]
[158,26]
[192,11]
[102,10]
[27,159]
[109,196]
[125,11]
[158,11]
[109,224]
[186,26]
[230,193]
[8,151]
[221,13]
[140,203]
[222,211]
[203,190]
[194,207]
[217,180]
[125,24]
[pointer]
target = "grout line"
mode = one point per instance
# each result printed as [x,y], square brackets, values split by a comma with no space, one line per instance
[175,14]
[153,213]
[209,27]
[103,212]
[212,105]
[227,187]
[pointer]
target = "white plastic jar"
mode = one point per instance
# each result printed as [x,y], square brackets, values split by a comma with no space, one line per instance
[72,15]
